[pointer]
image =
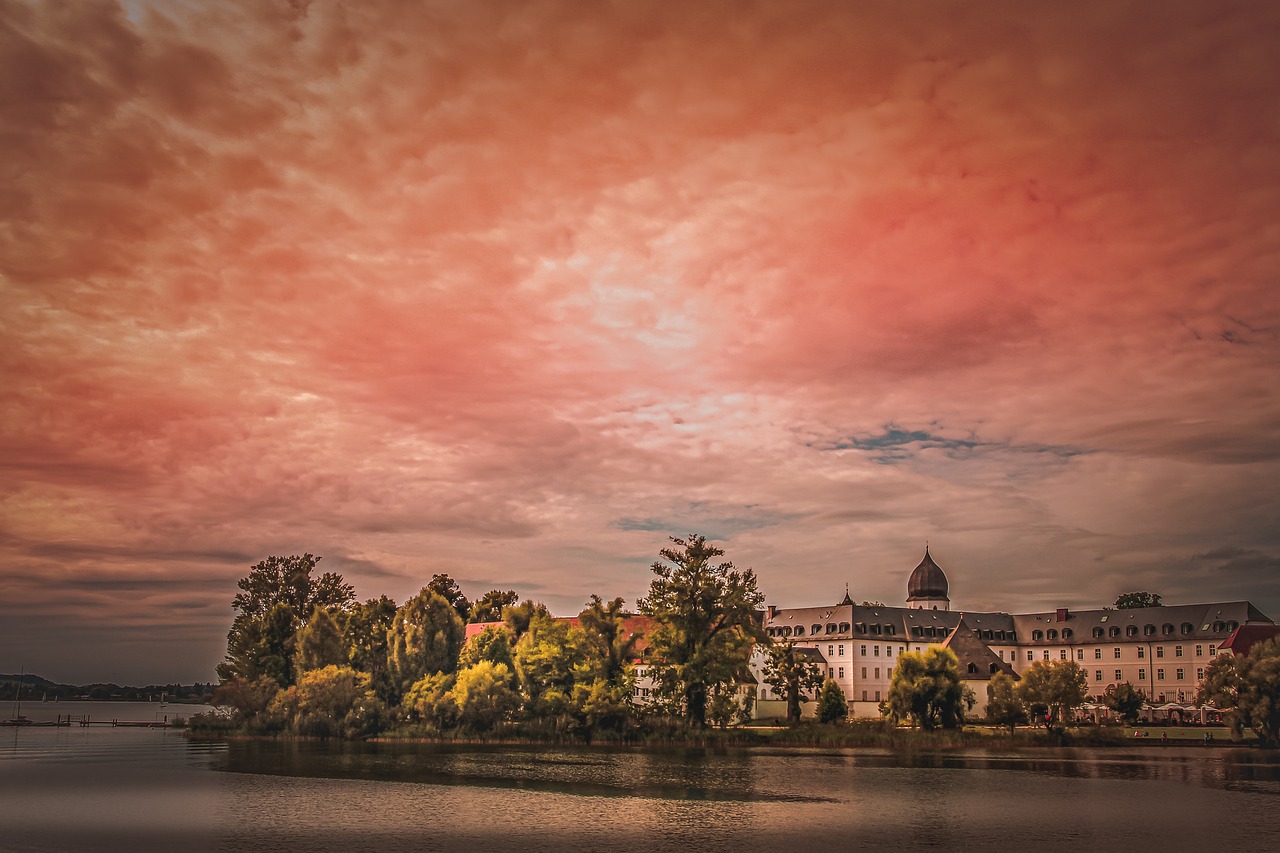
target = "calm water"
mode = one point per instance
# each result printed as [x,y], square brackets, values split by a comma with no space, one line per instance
[136,789]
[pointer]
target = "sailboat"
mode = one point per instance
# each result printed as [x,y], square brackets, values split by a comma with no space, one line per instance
[18,719]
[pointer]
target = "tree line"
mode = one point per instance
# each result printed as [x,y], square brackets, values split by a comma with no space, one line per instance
[304,656]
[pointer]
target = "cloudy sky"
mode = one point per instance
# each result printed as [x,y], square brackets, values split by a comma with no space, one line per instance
[517,290]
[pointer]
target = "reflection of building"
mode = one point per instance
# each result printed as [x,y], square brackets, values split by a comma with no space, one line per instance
[1164,651]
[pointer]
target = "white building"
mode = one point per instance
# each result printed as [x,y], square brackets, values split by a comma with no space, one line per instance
[1162,650]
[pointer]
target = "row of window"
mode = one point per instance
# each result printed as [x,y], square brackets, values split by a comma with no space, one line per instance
[832,628]
[1179,674]
[1147,630]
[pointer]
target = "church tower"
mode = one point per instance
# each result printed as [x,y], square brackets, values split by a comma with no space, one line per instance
[927,586]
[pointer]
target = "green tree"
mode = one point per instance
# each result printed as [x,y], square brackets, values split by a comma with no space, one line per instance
[517,617]
[483,696]
[832,706]
[1134,600]
[548,658]
[449,590]
[705,625]
[1126,700]
[1004,708]
[791,674]
[364,634]
[491,644]
[600,704]
[319,643]
[334,701]
[275,599]
[926,689]
[430,699]
[425,638]
[1247,688]
[610,648]
[1058,686]
[489,607]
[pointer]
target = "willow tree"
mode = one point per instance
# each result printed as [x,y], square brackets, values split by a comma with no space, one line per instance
[705,623]
[926,689]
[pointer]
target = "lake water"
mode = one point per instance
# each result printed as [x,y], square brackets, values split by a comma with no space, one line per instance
[139,789]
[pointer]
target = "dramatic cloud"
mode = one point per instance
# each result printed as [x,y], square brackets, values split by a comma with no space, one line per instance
[514,291]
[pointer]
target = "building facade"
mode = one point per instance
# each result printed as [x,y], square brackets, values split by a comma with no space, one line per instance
[1164,651]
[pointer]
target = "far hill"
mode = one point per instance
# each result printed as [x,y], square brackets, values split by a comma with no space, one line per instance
[35,688]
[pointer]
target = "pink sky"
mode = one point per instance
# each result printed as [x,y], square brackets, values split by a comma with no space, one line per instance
[514,291]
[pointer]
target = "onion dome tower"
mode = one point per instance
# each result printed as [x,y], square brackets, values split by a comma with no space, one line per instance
[927,586]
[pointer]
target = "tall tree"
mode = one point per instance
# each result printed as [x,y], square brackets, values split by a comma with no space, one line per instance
[488,608]
[1004,708]
[610,647]
[547,659]
[832,706]
[517,617]
[364,634]
[705,616]
[426,638]
[790,673]
[1134,600]
[1248,689]
[1058,686]
[492,644]
[276,598]
[449,590]
[926,689]
[319,643]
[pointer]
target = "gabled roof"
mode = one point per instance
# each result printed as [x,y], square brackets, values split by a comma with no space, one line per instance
[977,661]
[1244,638]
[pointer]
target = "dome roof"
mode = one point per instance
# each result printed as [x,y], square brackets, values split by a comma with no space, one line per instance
[927,580]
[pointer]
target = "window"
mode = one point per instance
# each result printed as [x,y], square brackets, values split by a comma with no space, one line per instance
[1097,675]
[1037,635]
[1177,651]
[877,672]
[1131,631]
[1116,653]
[1142,653]
[1199,673]
[863,652]
[864,696]
[1119,676]
[1062,654]
[1067,633]
[1187,627]
[1079,654]
[1142,675]
[1113,631]
[842,651]
[864,675]
[1180,675]
[831,672]
[1166,629]
[875,651]
[1031,655]
[1097,654]
[1052,634]
[831,651]
[1148,630]
[1046,654]
[973,669]
[1199,651]
[1212,651]
[1159,675]
[816,629]
[1159,651]
[1097,633]
[877,695]
[875,629]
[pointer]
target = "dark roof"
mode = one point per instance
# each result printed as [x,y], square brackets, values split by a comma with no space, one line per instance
[1175,622]
[972,651]
[927,580]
